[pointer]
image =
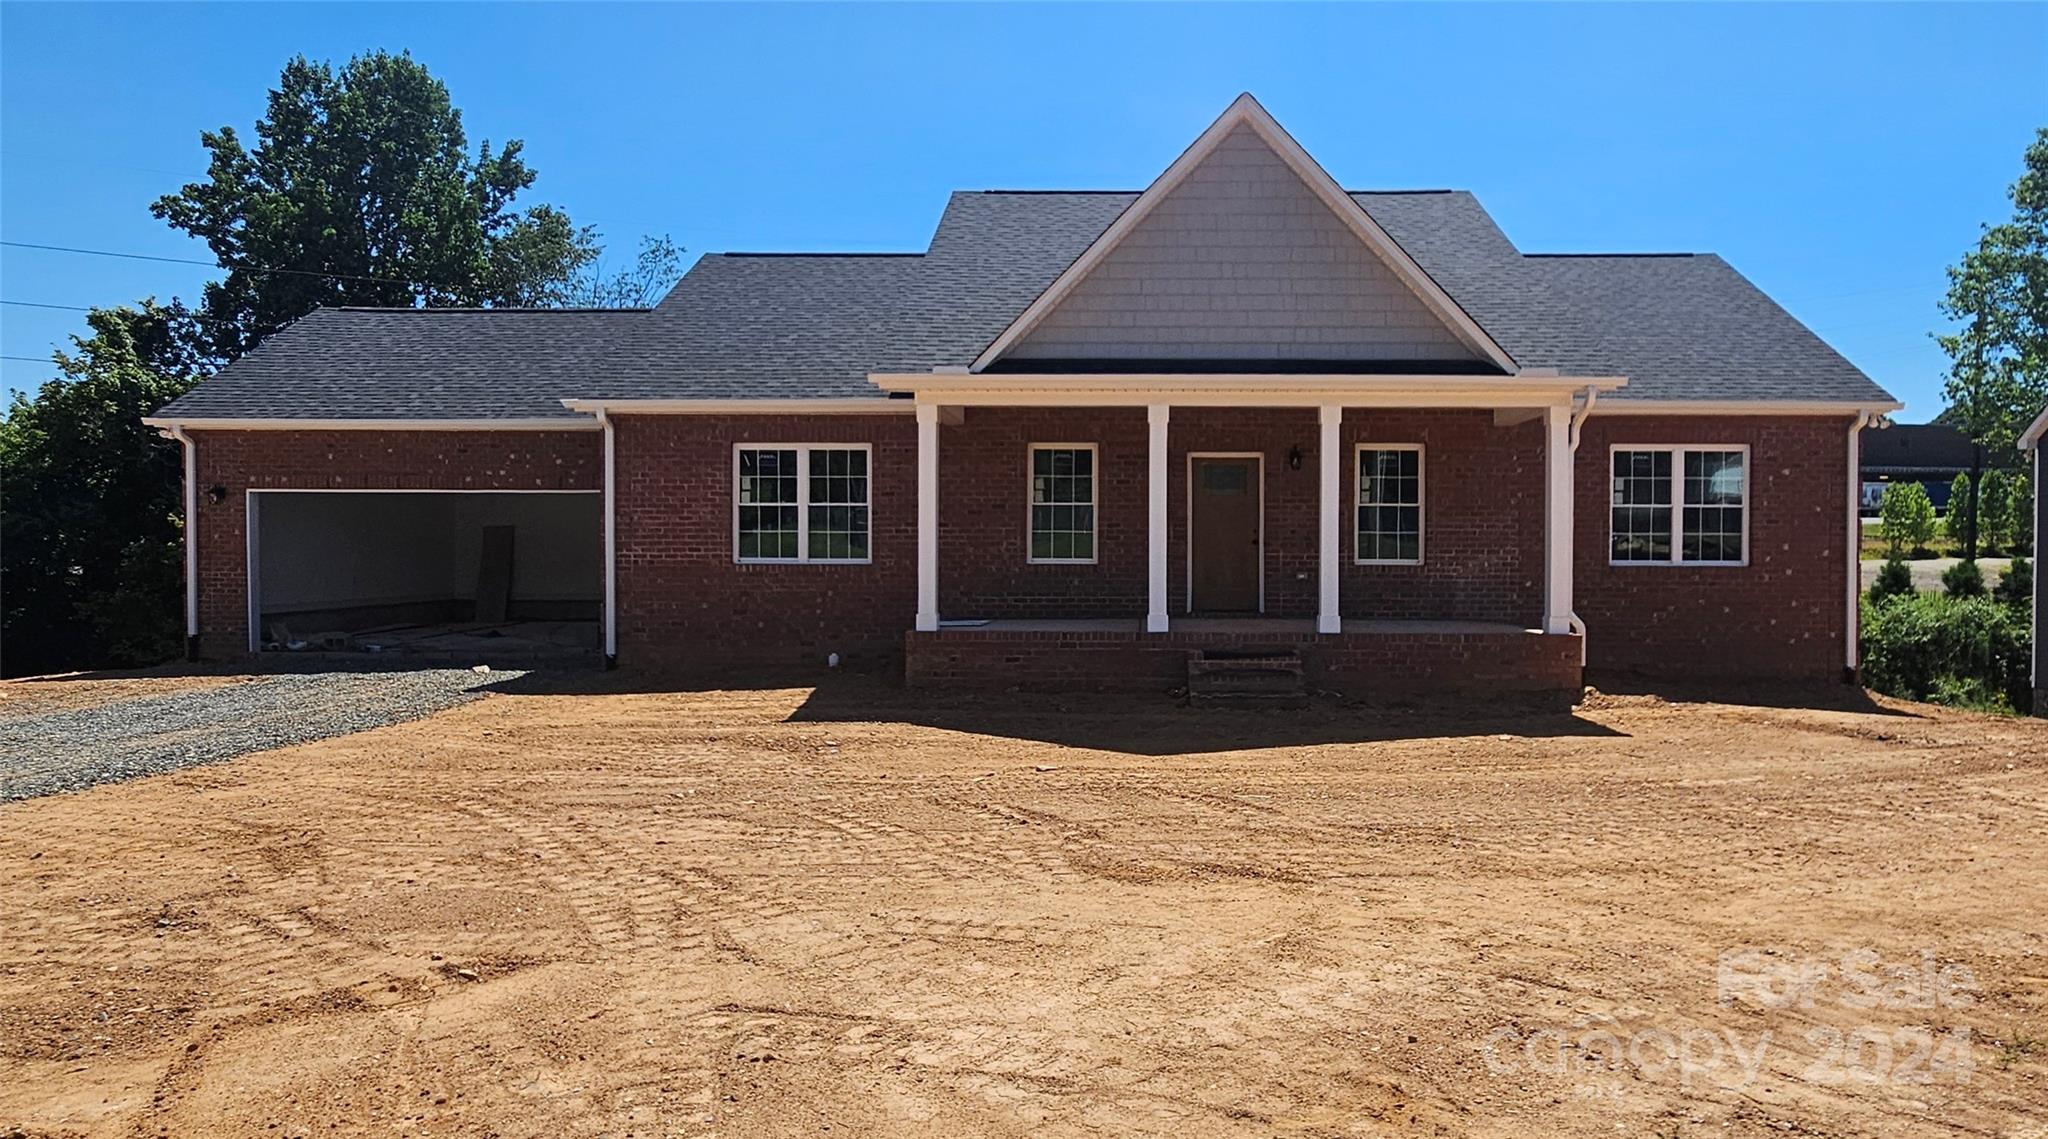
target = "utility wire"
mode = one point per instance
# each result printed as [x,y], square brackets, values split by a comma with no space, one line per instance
[40,304]
[30,359]
[207,264]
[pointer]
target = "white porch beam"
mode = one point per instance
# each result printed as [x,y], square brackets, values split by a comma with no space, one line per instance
[1557,515]
[927,517]
[1328,619]
[1156,416]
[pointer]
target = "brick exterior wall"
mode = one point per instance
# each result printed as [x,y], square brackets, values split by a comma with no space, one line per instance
[241,461]
[683,601]
[1781,616]
[1359,663]
[1483,513]
[1482,520]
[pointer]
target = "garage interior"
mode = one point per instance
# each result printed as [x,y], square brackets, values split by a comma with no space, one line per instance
[462,576]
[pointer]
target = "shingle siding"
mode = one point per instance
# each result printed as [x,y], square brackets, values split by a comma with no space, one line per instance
[1241,261]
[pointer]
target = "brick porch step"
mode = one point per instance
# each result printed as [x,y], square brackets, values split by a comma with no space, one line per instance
[1247,677]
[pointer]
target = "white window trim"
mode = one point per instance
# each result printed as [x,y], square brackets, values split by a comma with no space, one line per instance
[803,504]
[1358,451]
[1094,501]
[1678,451]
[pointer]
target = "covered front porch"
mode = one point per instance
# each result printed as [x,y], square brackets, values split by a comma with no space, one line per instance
[1362,657]
[1100,531]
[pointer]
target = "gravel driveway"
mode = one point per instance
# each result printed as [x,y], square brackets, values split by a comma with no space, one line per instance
[79,748]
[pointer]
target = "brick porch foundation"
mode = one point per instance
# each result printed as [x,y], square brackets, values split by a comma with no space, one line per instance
[1449,658]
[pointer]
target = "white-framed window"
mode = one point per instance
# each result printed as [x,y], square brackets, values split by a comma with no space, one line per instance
[1678,504]
[1389,504]
[1063,486]
[801,502]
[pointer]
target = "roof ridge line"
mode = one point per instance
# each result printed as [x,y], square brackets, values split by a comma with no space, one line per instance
[827,253]
[1563,255]
[473,309]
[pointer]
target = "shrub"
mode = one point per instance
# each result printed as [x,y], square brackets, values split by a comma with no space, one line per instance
[1905,517]
[2016,584]
[2019,509]
[1963,579]
[1893,580]
[1926,644]
[1961,505]
[1994,504]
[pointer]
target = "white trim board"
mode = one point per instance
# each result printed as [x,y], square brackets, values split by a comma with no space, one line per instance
[1624,406]
[850,406]
[558,423]
[1246,111]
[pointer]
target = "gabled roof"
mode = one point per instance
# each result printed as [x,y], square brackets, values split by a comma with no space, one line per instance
[2035,432]
[814,326]
[1245,114]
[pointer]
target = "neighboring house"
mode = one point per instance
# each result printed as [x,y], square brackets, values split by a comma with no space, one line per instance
[1931,454]
[2034,444]
[1080,437]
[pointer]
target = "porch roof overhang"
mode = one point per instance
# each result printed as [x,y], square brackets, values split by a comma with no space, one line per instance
[1066,389]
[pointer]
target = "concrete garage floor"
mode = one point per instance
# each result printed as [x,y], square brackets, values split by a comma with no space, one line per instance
[602,908]
[508,644]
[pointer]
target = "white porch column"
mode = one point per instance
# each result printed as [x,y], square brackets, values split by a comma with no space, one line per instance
[927,517]
[1155,526]
[1557,514]
[1328,620]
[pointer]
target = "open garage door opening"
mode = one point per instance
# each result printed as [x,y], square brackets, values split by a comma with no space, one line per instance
[458,576]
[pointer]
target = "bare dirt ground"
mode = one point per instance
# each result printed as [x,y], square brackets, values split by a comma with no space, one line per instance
[780,912]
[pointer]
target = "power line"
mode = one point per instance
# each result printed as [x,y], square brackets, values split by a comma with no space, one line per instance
[206,264]
[40,304]
[30,359]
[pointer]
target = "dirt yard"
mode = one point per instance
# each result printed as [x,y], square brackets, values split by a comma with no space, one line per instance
[788,912]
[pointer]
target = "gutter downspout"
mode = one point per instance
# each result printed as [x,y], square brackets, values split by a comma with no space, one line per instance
[1572,620]
[1852,626]
[611,546]
[191,539]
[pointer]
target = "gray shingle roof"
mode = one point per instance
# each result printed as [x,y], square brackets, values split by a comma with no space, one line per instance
[755,326]
[351,363]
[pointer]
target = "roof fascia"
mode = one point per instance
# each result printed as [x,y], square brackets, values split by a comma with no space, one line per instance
[854,406]
[2032,436]
[204,423]
[1246,111]
[1626,406]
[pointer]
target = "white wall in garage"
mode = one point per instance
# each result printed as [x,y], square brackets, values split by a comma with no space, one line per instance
[557,544]
[337,550]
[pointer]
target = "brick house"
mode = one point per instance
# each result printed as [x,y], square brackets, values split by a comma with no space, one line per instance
[1077,439]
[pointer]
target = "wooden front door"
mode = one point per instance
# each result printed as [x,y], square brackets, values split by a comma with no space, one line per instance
[1223,535]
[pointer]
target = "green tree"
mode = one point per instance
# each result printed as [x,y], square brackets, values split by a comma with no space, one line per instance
[1994,523]
[1960,524]
[1906,517]
[362,186]
[1998,295]
[91,511]
[654,271]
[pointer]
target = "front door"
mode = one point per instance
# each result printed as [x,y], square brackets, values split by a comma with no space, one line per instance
[1223,535]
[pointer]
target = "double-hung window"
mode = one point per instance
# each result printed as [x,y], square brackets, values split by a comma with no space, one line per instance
[801,503]
[1062,502]
[1389,504]
[1674,505]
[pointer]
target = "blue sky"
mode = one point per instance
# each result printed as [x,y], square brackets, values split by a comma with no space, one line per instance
[1839,155]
